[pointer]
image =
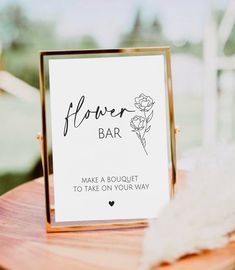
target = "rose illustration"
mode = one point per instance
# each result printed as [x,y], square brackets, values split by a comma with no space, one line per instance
[137,122]
[140,124]
[144,103]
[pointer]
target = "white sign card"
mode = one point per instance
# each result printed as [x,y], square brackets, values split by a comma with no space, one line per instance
[110,130]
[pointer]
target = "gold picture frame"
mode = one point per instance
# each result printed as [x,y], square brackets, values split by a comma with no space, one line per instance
[51,225]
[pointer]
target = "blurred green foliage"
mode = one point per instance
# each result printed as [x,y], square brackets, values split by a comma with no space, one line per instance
[21,38]
[229,48]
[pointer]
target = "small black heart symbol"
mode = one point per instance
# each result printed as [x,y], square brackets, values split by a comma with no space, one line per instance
[111,203]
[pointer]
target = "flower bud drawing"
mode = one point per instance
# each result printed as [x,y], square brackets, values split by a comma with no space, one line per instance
[137,123]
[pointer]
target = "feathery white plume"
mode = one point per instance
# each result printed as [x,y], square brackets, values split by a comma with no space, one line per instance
[201,215]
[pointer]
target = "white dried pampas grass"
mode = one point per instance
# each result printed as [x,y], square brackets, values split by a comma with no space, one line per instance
[202,213]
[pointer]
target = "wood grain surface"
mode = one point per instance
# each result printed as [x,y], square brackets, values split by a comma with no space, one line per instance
[24,243]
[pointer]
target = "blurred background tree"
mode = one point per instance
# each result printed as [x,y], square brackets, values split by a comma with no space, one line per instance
[14,27]
[21,38]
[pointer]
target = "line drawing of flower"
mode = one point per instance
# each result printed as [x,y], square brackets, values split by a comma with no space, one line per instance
[144,103]
[140,124]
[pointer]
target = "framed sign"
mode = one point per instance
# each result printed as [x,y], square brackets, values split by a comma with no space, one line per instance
[108,122]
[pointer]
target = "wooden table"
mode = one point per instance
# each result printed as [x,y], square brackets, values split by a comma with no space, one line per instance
[24,243]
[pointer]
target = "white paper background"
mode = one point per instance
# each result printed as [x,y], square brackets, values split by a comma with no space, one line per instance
[113,82]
